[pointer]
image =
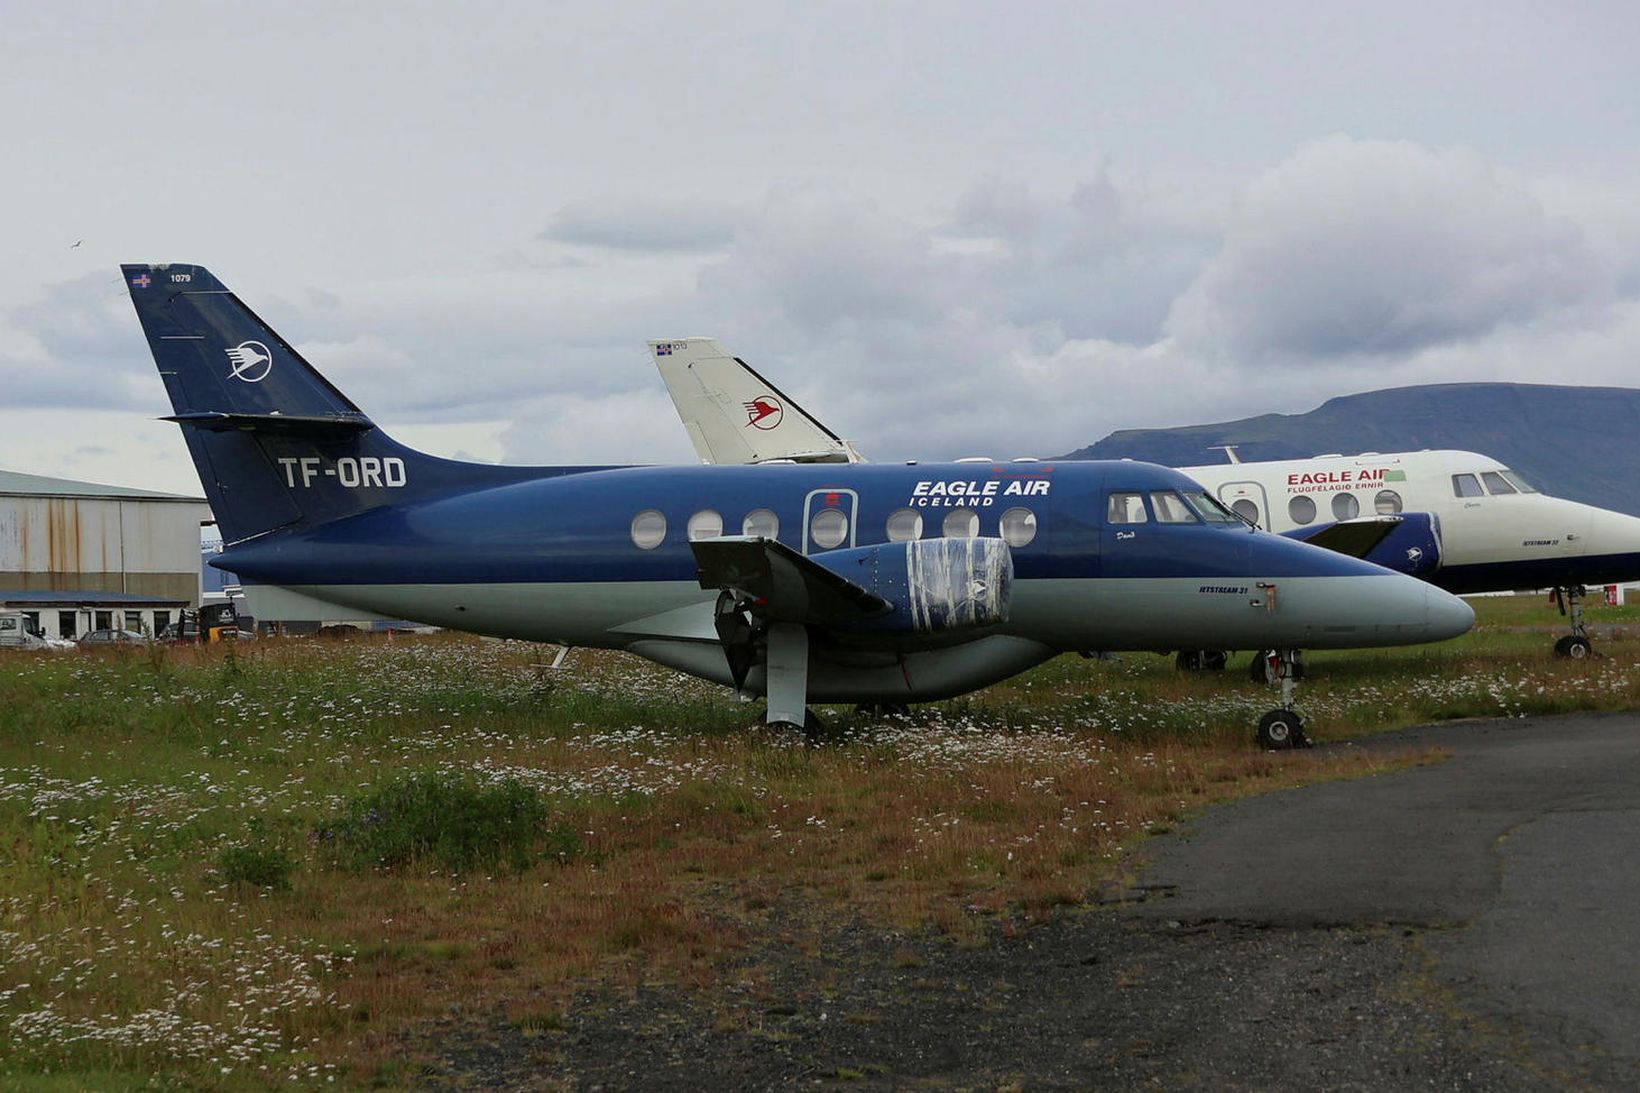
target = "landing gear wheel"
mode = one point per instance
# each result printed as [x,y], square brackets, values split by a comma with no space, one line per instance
[876,711]
[1574,647]
[1279,730]
[1201,660]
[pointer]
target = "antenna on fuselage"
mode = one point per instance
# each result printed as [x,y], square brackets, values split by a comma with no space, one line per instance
[1229,451]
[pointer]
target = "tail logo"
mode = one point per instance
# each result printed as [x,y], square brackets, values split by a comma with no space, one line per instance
[764,412]
[251,361]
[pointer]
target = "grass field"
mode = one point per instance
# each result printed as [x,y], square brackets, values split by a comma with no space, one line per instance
[218,873]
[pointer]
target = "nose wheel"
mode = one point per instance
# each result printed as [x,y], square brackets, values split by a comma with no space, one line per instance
[1283,727]
[1575,645]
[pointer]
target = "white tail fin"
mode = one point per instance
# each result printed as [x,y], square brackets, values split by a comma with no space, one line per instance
[734,415]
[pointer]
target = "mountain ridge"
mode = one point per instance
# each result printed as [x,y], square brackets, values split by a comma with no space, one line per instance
[1572,442]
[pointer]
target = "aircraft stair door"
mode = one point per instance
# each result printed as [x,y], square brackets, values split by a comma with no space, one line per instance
[829,518]
[1247,500]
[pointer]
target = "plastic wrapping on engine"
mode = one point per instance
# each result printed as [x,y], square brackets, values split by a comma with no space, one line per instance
[958,583]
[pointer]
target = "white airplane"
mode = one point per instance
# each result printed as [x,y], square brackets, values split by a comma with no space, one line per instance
[1460,520]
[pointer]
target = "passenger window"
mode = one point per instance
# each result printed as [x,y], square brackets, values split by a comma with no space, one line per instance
[761,522]
[1125,508]
[828,528]
[1301,509]
[1246,510]
[1017,526]
[904,525]
[648,529]
[1496,484]
[705,524]
[1388,502]
[1466,485]
[1345,506]
[1170,508]
[961,524]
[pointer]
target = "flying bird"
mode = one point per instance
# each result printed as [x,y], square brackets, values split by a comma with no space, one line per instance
[76,244]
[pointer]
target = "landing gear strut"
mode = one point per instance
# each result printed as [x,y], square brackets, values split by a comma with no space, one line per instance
[1282,728]
[1576,644]
[785,647]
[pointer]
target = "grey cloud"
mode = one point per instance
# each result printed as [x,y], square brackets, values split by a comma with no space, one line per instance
[78,345]
[1353,248]
[645,225]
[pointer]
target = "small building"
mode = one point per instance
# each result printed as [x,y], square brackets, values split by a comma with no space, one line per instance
[79,556]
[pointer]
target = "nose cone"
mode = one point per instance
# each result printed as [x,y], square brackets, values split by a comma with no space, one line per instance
[1447,616]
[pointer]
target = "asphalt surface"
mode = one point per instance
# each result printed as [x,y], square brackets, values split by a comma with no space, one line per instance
[1472,924]
[1518,859]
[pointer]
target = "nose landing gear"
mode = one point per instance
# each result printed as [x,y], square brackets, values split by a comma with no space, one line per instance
[1283,727]
[1575,645]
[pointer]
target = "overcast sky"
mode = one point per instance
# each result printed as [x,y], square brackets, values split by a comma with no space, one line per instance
[947,228]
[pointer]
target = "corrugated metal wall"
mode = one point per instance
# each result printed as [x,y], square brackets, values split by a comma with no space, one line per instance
[147,548]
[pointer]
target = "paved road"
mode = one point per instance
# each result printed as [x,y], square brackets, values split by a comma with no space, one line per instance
[1523,850]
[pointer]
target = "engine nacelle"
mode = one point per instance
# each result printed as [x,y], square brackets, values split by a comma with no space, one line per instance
[935,586]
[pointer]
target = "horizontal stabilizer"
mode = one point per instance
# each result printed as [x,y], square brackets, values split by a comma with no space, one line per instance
[784,585]
[290,424]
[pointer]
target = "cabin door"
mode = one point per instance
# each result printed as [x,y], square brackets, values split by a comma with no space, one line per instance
[829,517]
[1247,500]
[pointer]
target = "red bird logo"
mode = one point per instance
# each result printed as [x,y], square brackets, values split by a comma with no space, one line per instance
[764,412]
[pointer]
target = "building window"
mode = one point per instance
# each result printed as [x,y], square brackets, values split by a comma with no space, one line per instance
[904,525]
[1017,526]
[648,529]
[105,620]
[1388,502]
[761,522]
[1125,508]
[133,621]
[1466,485]
[961,523]
[828,528]
[705,524]
[1345,506]
[162,619]
[1301,509]
[65,625]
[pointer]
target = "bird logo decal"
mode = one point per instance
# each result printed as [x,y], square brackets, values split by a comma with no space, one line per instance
[251,361]
[764,412]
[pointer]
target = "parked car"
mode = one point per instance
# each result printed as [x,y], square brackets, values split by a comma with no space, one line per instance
[115,637]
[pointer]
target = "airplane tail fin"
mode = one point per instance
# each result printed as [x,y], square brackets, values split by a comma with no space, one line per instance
[734,415]
[275,443]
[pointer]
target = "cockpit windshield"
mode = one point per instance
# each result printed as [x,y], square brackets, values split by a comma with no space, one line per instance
[1209,508]
[1518,482]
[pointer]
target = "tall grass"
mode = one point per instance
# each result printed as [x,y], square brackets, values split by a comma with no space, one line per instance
[233,872]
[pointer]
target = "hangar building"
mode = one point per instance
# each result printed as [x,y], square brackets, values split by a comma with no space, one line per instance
[77,556]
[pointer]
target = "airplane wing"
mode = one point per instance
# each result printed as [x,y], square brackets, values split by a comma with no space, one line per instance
[1409,543]
[734,415]
[781,584]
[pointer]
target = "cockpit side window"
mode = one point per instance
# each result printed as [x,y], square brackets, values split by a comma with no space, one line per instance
[1210,509]
[1125,508]
[1518,482]
[1496,484]
[1466,485]
[1170,508]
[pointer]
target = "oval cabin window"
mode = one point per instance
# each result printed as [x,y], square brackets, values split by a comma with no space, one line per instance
[705,524]
[828,528]
[1301,509]
[761,522]
[962,523]
[1345,506]
[904,525]
[1018,527]
[648,529]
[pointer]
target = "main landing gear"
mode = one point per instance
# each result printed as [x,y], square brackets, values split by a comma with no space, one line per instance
[785,647]
[1201,660]
[1576,644]
[1281,728]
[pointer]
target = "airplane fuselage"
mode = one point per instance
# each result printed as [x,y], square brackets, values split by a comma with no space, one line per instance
[1497,532]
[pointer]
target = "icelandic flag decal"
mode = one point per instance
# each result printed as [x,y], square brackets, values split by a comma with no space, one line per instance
[142,281]
[664,349]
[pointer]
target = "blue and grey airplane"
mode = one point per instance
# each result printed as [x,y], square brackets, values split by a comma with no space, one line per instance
[806,583]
